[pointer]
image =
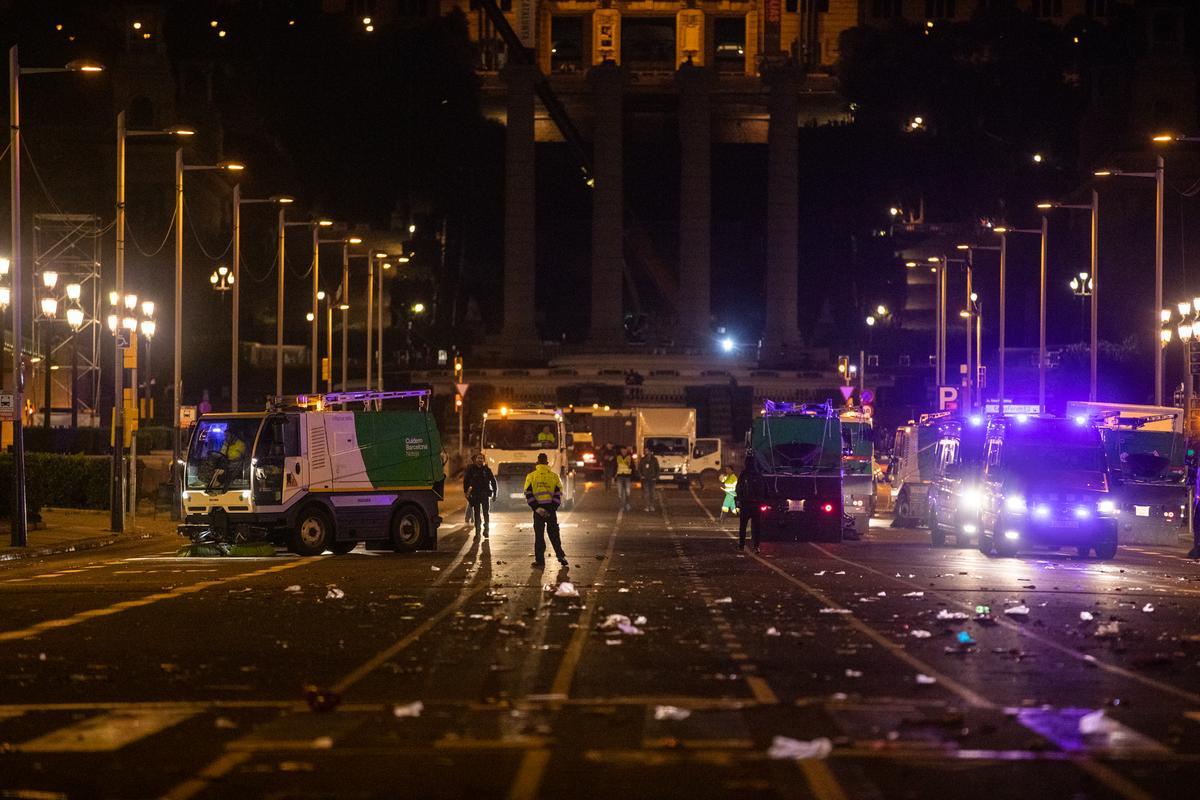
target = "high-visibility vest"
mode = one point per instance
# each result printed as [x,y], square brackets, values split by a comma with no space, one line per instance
[624,465]
[543,487]
[729,484]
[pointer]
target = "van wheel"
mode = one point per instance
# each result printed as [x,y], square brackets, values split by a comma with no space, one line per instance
[1106,551]
[341,548]
[1006,548]
[409,528]
[312,533]
[985,543]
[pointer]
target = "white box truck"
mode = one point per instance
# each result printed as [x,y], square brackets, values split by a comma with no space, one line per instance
[669,433]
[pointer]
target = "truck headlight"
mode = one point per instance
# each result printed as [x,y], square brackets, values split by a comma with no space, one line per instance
[971,499]
[1106,507]
[1015,503]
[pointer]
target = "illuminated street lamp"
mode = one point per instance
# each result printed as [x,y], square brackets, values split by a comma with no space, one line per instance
[221,279]
[20,519]
[1159,195]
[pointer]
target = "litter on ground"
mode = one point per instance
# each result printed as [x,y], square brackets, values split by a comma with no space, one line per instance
[413,709]
[566,589]
[672,713]
[788,749]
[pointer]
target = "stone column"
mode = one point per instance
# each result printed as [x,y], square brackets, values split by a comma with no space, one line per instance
[608,224]
[781,336]
[520,237]
[695,204]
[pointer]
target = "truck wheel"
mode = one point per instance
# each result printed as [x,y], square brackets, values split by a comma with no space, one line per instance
[985,543]
[707,477]
[1006,548]
[1106,551]
[312,533]
[409,528]
[341,548]
[936,535]
[903,518]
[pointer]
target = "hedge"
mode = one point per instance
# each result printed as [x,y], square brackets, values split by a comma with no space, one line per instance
[91,440]
[58,481]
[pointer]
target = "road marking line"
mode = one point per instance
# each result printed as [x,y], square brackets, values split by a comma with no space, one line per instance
[761,690]
[529,775]
[1112,779]
[1026,631]
[821,780]
[107,732]
[224,765]
[851,619]
[125,605]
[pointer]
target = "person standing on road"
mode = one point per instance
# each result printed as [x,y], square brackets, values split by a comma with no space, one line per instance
[543,492]
[648,471]
[608,464]
[749,494]
[479,486]
[623,469]
[729,482]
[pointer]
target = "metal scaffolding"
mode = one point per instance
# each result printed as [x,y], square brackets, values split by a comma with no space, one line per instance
[68,245]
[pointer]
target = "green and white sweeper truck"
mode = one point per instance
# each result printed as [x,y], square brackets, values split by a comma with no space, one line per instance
[313,475]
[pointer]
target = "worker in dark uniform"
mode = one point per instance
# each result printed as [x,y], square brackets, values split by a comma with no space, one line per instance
[543,492]
[479,486]
[749,495]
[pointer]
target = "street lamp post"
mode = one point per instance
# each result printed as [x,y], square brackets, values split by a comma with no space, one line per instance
[235,279]
[1159,192]
[20,520]
[1093,283]
[1003,232]
[385,266]
[177,322]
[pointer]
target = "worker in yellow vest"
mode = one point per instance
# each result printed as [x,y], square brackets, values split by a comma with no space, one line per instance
[624,477]
[729,482]
[543,493]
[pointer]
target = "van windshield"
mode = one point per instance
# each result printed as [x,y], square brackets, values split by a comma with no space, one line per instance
[519,434]
[1029,458]
[666,445]
[219,458]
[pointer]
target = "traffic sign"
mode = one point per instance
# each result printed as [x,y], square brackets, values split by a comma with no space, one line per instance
[6,407]
[947,398]
[867,396]
[846,392]
[462,388]
[187,416]
[123,338]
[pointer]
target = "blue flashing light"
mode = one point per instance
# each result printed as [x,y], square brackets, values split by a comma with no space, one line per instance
[977,420]
[1081,420]
[1022,418]
[727,345]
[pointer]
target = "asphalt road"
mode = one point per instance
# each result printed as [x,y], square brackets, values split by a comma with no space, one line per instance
[127,672]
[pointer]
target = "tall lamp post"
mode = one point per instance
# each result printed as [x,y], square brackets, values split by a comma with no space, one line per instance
[1003,232]
[343,304]
[177,379]
[20,520]
[973,302]
[238,202]
[117,503]
[1159,193]
[314,226]
[1093,284]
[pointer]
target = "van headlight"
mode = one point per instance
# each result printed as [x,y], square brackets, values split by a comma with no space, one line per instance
[971,499]
[1015,503]
[1106,508]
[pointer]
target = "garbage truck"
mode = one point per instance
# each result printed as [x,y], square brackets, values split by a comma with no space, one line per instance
[513,438]
[313,474]
[797,453]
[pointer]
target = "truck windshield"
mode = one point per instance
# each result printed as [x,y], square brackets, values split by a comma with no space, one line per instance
[666,445]
[519,434]
[220,454]
[1031,458]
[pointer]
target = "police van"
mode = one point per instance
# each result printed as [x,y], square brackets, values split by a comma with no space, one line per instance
[313,475]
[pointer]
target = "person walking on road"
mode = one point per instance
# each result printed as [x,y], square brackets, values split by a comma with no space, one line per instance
[608,464]
[479,486]
[729,482]
[749,494]
[648,471]
[543,492]
[623,469]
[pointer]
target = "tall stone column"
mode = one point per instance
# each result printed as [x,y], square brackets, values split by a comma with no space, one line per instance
[608,207]
[695,204]
[520,233]
[781,337]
